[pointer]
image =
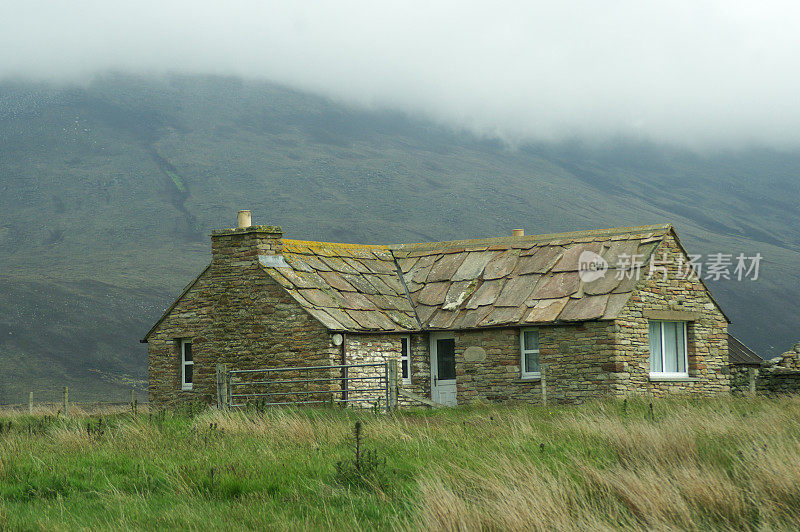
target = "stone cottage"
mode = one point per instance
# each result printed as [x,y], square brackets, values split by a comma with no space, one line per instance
[608,313]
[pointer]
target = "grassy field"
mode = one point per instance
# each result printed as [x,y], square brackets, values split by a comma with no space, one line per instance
[718,464]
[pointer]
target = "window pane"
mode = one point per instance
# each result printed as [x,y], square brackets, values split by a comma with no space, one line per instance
[187,372]
[531,340]
[187,351]
[531,362]
[670,331]
[655,347]
[405,357]
[446,359]
[681,342]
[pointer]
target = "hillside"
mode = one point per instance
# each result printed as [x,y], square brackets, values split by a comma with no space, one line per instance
[108,192]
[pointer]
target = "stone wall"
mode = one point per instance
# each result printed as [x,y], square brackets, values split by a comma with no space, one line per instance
[740,378]
[238,316]
[420,366]
[491,372]
[577,356]
[679,299]
[774,381]
[580,360]
[369,349]
[788,360]
[769,380]
[778,376]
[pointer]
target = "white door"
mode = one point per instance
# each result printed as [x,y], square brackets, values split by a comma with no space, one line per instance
[443,368]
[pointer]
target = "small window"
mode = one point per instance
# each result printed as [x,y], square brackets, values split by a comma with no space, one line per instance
[187,365]
[668,349]
[405,358]
[529,353]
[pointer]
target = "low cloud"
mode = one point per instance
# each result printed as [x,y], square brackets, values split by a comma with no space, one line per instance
[698,73]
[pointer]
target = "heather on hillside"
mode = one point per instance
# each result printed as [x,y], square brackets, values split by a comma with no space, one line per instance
[731,463]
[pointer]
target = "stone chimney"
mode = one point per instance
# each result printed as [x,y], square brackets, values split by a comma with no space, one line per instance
[518,232]
[244,219]
[241,247]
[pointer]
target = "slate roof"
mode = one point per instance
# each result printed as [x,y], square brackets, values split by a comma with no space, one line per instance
[347,287]
[741,355]
[461,284]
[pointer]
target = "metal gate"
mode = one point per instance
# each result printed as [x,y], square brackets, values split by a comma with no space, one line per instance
[371,385]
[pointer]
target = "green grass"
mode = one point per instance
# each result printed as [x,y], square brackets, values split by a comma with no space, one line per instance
[717,464]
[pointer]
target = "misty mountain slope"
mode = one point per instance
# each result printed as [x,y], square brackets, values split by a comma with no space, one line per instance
[108,193]
[56,333]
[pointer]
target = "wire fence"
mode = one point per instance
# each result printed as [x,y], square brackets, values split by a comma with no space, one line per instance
[66,406]
[369,385]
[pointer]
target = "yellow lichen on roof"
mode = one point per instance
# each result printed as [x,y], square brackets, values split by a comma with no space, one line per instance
[297,246]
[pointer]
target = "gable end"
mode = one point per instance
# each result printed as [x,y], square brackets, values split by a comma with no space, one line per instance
[174,304]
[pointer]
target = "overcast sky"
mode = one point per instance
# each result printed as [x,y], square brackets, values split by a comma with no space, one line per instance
[698,72]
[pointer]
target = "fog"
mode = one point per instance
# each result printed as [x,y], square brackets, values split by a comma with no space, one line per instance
[698,73]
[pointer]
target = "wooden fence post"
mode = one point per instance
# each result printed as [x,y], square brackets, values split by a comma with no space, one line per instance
[133,400]
[392,383]
[543,382]
[222,386]
[66,401]
[30,403]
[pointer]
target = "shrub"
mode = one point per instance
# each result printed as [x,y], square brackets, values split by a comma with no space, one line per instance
[366,469]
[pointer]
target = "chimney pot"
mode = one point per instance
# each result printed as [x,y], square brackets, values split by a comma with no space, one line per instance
[518,232]
[244,219]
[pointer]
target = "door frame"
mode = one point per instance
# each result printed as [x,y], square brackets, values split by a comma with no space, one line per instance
[434,361]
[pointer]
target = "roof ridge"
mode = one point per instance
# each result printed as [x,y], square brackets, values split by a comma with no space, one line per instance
[528,238]
[315,243]
[612,231]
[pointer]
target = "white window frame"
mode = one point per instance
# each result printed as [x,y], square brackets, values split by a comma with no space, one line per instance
[186,386]
[670,374]
[523,352]
[407,341]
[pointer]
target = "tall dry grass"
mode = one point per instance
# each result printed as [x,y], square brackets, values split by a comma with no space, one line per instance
[76,410]
[275,425]
[726,465]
